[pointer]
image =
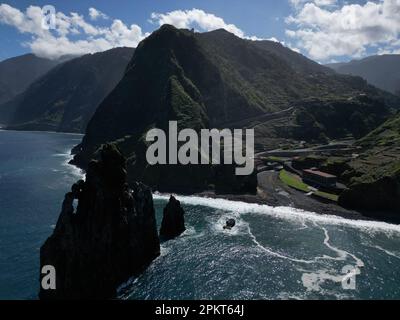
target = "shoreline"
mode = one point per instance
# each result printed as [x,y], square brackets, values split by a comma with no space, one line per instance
[280,195]
[275,194]
[40,131]
[272,192]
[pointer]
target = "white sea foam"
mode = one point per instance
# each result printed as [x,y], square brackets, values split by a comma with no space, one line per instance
[277,254]
[75,171]
[312,278]
[390,253]
[287,213]
[218,222]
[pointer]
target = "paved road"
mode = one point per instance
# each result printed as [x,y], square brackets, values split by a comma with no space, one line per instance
[259,118]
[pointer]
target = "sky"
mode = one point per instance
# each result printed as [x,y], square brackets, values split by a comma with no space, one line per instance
[323,30]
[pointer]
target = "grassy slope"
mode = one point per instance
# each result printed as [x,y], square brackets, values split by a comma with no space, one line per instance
[295,182]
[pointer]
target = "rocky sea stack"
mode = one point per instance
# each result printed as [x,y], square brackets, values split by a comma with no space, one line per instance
[173,223]
[110,236]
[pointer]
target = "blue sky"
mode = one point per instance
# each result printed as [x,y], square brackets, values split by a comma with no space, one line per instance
[324,30]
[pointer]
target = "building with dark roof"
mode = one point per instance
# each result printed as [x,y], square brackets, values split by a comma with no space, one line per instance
[319,178]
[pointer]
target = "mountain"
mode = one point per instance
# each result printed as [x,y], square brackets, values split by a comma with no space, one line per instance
[381,71]
[296,60]
[375,175]
[215,80]
[65,98]
[16,74]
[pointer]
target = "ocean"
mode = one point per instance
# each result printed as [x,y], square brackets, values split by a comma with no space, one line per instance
[272,253]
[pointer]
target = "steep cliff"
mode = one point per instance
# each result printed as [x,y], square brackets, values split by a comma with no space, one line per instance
[16,75]
[110,236]
[65,98]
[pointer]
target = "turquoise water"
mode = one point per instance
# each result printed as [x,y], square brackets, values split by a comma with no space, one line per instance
[273,253]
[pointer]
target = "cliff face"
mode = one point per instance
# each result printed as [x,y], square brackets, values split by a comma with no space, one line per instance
[110,237]
[16,75]
[382,194]
[65,98]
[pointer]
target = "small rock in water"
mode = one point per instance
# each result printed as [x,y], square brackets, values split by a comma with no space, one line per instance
[173,222]
[230,224]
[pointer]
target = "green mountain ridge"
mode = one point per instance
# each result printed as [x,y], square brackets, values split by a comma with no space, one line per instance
[205,80]
[65,98]
[382,71]
[16,74]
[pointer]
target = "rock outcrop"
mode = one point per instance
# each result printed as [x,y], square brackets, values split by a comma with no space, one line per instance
[173,223]
[379,195]
[230,224]
[110,237]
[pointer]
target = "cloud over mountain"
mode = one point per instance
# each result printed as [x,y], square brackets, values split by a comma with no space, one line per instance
[325,30]
[72,35]
[75,35]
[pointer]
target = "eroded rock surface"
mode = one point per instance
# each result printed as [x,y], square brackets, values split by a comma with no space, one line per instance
[110,237]
[173,223]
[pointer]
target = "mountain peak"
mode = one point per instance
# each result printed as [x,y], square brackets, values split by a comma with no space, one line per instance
[167,27]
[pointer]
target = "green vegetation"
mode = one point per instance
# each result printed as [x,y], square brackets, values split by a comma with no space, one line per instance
[387,134]
[66,97]
[275,159]
[337,118]
[295,182]
[326,195]
[215,78]
[331,164]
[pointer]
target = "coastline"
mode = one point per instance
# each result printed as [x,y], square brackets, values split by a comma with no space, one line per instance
[272,192]
[4,128]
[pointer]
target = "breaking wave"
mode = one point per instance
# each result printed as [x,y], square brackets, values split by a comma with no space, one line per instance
[287,213]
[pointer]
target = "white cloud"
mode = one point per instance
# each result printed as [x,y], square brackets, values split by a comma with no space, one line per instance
[95,14]
[195,18]
[346,31]
[28,22]
[319,3]
[73,34]
[200,21]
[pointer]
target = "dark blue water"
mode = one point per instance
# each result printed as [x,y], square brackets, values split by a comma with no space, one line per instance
[273,253]
[34,176]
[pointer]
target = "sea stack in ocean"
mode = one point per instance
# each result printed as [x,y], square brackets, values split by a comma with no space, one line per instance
[230,224]
[110,237]
[173,223]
